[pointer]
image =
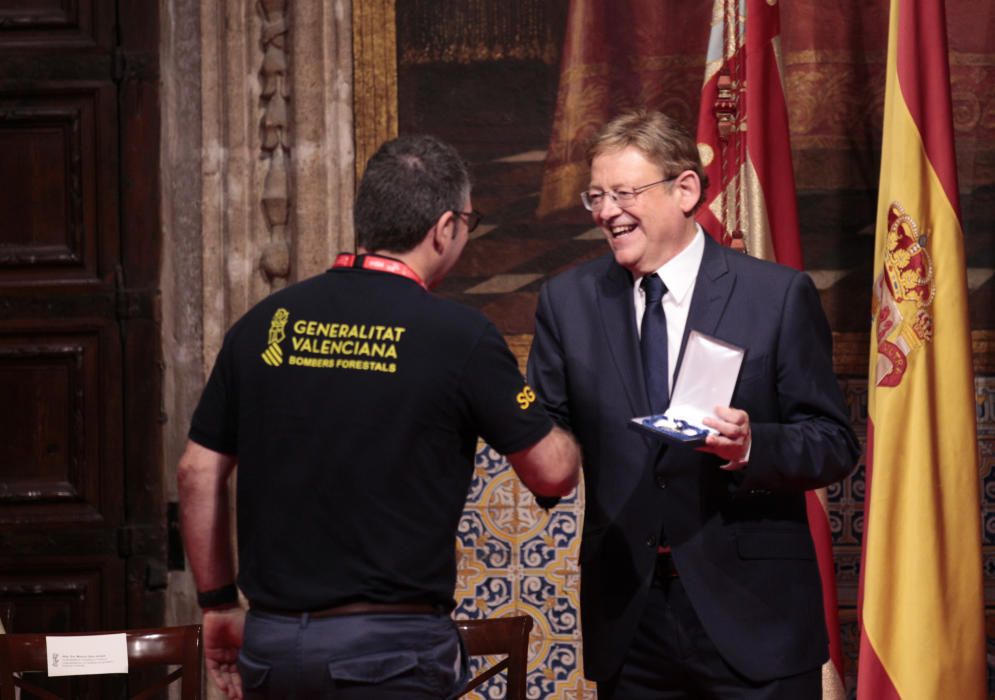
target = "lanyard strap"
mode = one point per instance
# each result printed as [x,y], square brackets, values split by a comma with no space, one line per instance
[380,264]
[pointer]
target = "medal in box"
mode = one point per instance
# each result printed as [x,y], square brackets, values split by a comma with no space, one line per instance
[707,379]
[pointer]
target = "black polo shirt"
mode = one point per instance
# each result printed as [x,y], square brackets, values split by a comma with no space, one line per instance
[353,402]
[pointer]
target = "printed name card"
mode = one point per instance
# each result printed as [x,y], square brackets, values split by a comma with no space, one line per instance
[87,655]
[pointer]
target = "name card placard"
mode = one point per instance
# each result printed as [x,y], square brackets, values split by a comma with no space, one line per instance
[87,654]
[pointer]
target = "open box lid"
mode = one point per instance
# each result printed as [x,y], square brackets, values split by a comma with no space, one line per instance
[707,379]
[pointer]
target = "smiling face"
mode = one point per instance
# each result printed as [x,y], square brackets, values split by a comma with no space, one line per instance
[657,224]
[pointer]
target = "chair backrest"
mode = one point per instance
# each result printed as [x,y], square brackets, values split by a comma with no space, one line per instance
[494,636]
[24,654]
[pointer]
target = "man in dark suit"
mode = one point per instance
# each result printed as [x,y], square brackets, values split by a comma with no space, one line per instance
[698,572]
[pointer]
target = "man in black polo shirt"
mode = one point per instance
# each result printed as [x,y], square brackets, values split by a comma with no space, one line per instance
[351,404]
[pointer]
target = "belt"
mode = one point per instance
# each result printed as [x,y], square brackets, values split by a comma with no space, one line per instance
[664,568]
[360,608]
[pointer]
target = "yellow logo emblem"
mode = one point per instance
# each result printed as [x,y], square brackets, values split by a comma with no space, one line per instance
[526,397]
[273,354]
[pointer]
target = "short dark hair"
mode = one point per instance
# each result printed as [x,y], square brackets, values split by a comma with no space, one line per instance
[407,185]
[661,138]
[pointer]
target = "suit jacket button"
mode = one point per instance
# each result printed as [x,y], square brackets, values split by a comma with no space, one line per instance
[651,541]
[661,481]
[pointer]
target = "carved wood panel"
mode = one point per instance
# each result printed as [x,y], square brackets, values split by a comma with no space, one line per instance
[59,180]
[61,450]
[63,23]
[81,527]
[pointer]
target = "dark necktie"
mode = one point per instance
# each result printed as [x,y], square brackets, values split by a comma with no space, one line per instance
[653,344]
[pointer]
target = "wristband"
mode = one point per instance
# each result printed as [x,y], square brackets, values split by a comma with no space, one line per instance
[218,597]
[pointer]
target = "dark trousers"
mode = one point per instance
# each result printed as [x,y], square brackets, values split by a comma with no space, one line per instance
[671,657]
[351,657]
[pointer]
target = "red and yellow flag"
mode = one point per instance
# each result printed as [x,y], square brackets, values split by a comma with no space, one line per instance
[921,601]
[743,134]
[745,147]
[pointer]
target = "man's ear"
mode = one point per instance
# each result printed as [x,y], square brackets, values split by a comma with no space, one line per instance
[443,231]
[689,187]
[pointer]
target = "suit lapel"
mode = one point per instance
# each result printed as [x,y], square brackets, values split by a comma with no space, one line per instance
[618,318]
[712,291]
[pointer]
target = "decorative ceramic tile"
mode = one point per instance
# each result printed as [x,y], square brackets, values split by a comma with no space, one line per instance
[515,558]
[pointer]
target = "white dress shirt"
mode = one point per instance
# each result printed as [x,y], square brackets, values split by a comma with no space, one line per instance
[679,274]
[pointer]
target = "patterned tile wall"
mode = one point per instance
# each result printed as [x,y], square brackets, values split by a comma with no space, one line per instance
[515,558]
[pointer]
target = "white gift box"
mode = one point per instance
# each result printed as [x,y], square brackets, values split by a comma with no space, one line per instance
[707,379]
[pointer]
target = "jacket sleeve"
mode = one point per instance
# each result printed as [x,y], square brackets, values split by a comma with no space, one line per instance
[547,365]
[812,444]
[546,372]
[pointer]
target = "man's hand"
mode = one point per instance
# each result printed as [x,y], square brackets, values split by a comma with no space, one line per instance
[733,441]
[222,640]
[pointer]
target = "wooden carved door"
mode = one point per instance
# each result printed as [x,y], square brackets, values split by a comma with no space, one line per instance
[82,530]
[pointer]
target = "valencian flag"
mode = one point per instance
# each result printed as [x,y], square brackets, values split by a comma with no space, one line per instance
[745,147]
[921,600]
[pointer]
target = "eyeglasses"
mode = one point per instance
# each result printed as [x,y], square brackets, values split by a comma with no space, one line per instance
[593,201]
[472,218]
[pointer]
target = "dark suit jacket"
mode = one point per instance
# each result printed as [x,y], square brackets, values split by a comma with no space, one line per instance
[740,539]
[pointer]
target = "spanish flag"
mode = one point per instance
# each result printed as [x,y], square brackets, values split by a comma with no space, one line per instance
[745,146]
[921,602]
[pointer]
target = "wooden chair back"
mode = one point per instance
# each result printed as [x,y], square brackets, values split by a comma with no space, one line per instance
[495,636]
[23,655]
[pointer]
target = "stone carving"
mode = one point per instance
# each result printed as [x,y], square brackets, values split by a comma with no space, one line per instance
[274,94]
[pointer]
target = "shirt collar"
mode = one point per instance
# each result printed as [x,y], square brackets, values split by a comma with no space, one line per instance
[679,272]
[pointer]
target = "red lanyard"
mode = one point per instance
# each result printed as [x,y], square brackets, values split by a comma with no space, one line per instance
[381,264]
